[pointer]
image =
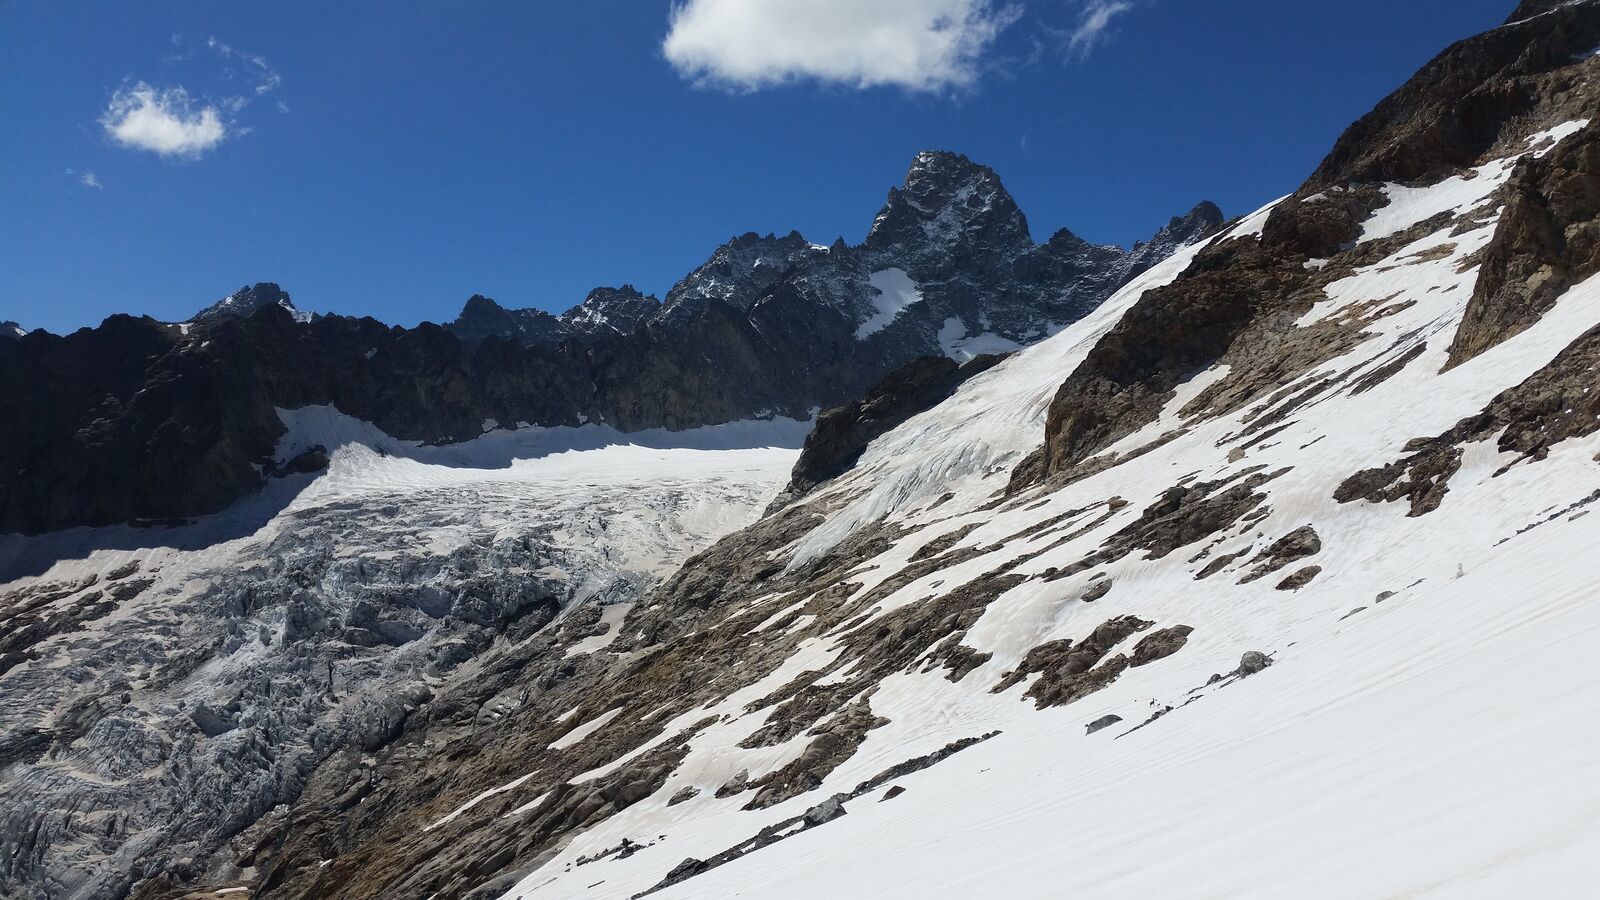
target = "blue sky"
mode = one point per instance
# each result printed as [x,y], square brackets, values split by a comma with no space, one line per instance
[391,159]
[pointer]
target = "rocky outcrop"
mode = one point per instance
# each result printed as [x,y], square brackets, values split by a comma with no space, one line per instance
[1238,302]
[1547,240]
[1296,545]
[482,319]
[1070,671]
[1168,335]
[608,311]
[247,301]
[842,434]
[1459,106]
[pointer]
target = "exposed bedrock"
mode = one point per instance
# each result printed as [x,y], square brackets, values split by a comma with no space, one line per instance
[1459,106]
[1548,239]
[843,433]
[1238,301]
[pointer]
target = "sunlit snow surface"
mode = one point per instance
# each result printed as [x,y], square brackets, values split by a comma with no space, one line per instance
[894,291]
[961,346]
[1439,743]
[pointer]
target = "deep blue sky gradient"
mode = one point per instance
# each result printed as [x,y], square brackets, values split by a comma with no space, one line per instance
[532,151]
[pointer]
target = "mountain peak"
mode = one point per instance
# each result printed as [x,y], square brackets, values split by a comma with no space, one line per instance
[1179,232]
[1187,228]
[618,309]
[11,330]
[246,301]
[947,199]
[482,318]
[738,271]
[1204,211]
[478,306]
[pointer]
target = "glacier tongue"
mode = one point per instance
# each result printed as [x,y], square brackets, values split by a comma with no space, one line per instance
[230,656]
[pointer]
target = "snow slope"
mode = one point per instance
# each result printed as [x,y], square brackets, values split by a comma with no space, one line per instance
[1426,727]
[893,291]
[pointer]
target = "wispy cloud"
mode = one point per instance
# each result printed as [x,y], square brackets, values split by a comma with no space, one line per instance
[919,45]
[253,68]
[174,124]
[88,180]
[165,122]
[1093,21]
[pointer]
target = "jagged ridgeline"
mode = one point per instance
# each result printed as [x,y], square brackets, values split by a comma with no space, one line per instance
[137,419]
[1267,574]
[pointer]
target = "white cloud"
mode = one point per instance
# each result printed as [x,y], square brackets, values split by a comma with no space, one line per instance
[924,45]
[163,122]
[88,180]
[168,122]
[1092,24]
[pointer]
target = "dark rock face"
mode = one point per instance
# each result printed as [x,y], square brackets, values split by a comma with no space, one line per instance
[1296,545]
[1548,240]
[139,420]
[1458,106]
[10,331]
[247,301]
[610,311]
[483,318]
[843,433]
[737,274]
[82,412]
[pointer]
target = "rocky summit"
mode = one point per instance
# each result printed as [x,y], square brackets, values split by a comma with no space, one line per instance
[249,300]
[1255,560]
